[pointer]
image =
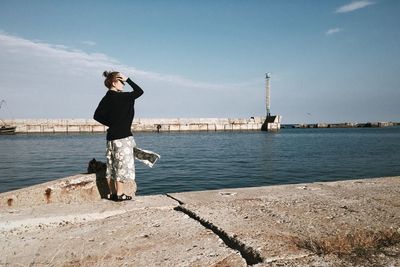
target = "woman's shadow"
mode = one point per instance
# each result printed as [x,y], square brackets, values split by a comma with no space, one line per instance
[99,168]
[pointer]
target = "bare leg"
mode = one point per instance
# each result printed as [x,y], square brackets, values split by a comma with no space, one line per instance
[111,186]
[119,188]
[120,192]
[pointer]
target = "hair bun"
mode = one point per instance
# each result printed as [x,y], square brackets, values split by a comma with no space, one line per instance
[106,73]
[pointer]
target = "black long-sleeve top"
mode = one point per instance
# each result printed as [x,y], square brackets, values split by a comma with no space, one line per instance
[116,110]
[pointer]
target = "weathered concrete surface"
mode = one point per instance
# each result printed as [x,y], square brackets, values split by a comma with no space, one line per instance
[73,189]
[233,227]
[271,219]
[143,232]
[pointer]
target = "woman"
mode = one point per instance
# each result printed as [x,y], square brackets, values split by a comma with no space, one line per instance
[116,110]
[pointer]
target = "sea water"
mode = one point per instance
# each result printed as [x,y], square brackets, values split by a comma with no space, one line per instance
[211,160]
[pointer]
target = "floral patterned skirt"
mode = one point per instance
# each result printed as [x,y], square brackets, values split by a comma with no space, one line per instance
[120,158]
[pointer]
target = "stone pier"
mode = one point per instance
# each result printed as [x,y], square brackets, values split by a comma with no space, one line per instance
[272,123]
[139,124]
[345,223]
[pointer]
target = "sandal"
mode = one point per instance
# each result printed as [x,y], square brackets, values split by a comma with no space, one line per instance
[123,197]
[112,197]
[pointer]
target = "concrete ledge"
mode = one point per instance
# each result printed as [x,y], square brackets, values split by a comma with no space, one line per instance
[74,189]
[285,225]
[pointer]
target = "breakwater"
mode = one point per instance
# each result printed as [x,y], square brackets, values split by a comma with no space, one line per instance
[145,125]
[170,125]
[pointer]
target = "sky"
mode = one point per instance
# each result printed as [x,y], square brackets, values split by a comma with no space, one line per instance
[330,61]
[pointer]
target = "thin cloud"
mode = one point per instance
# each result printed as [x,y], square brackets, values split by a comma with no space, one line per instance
[354,6]
[75,58]
[333,31]
[89,43]
[53,78]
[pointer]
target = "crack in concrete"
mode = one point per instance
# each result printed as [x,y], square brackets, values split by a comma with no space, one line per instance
[249,254]
[177,200]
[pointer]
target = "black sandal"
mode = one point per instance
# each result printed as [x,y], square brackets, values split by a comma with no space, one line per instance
[112,197]
[123,197]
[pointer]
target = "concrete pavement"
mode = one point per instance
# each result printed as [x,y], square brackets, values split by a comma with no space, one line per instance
[289,225]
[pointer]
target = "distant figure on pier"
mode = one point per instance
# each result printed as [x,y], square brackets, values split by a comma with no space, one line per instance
[117,110]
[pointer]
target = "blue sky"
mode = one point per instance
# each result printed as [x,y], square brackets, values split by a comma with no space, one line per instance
[330,61]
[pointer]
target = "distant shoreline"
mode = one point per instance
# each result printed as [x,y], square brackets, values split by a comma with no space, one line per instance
[342,125]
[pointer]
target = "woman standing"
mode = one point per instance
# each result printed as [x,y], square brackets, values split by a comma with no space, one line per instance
[116,110]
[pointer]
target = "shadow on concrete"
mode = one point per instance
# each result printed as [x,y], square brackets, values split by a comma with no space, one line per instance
[99,168]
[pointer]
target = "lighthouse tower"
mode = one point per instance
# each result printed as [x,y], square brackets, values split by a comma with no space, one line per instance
[267,98]
[271,123]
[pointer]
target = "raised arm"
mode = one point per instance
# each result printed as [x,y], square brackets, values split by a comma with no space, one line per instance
[137,91]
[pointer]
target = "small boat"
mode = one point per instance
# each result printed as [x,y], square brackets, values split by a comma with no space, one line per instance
[7,130]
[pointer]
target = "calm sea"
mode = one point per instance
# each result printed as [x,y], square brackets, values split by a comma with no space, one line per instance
[211,160]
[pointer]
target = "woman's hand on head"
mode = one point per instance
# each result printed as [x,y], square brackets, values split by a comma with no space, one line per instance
[123,77]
